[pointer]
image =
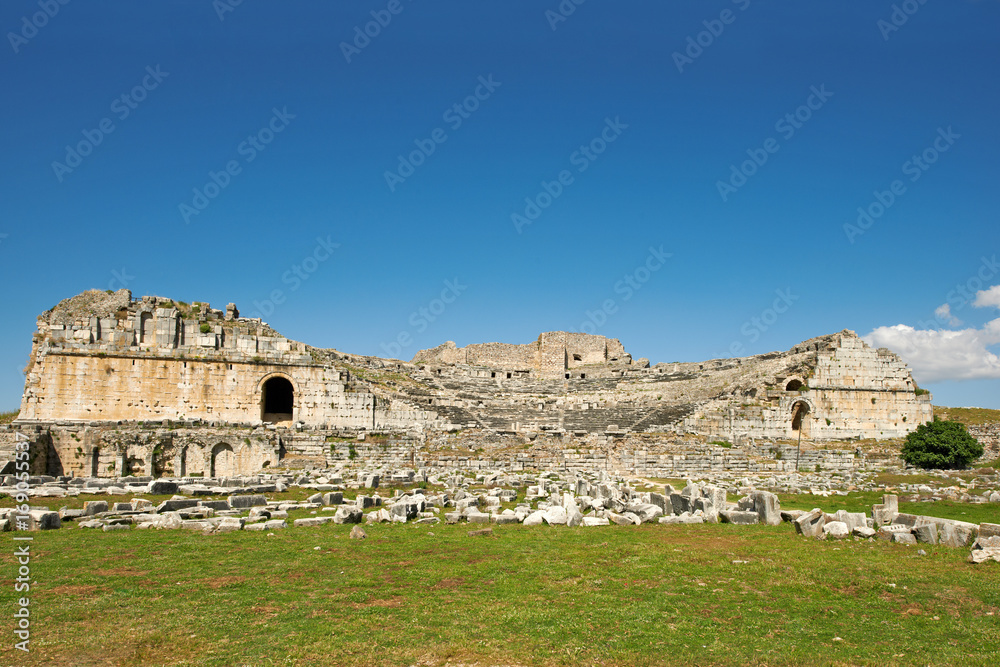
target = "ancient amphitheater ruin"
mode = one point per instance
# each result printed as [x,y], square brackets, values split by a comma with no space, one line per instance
[116,386]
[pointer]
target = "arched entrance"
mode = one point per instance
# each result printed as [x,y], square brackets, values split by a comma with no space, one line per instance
[800,425]
[223,461]
[794,384]
[277,400]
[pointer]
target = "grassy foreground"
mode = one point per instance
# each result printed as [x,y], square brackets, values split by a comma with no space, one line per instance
[409,594]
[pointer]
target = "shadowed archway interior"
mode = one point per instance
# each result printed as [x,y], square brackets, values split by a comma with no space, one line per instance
[277,400]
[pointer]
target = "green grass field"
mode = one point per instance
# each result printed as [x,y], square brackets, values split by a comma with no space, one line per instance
[409,594]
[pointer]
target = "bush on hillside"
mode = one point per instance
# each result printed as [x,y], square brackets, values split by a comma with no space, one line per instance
[941,444]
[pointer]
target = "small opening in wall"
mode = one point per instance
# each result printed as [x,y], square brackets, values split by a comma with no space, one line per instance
[577,357]
[230,367]
[493,374]
[793,385]
[567,376]
[583,376]
[508,376]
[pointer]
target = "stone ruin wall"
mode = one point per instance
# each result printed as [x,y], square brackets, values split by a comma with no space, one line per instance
[145,364]
[147,388]
[111,450]
[549,357]
[114,362]
[850,389]
[989,437]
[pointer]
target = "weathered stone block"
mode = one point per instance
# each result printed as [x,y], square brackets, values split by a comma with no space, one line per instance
[243,502]
[926,533]
[92,507]
[347,514]
[161,487]
[837,530]
[811,523]
[312,521]
[175,504]
[742,518]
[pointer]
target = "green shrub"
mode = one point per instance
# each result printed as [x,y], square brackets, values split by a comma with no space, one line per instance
[205,327]
[721,443]
[941,444]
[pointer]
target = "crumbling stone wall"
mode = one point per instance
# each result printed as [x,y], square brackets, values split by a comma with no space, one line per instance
[101,357]
[844,388]
[988,436]
[549,357]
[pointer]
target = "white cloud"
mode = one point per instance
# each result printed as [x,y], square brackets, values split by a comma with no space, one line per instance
[988,297]
[943,314]
[943,355]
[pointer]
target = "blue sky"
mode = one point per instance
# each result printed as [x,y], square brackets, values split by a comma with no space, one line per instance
[684,176]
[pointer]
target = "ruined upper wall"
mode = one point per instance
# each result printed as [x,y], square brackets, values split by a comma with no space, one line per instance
[96,322]
[550,356]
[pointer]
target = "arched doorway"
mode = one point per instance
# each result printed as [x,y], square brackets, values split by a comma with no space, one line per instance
[277,400]
[223,461]
[800,425]
[793,385]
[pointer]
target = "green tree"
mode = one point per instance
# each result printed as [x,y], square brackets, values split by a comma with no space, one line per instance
[941,444]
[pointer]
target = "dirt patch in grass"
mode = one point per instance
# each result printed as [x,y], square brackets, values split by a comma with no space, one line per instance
[72,590]
[392,602]
[121,572]
[221,582]
[449,584]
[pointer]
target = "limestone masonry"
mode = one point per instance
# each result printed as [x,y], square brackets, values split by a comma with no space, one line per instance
[154,386]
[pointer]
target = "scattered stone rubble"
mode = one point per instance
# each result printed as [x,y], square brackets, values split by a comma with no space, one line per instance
[551,498]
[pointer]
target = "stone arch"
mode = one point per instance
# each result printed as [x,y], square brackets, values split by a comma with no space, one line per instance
[223,461]
[800,423]
[794,383]
[277,398]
